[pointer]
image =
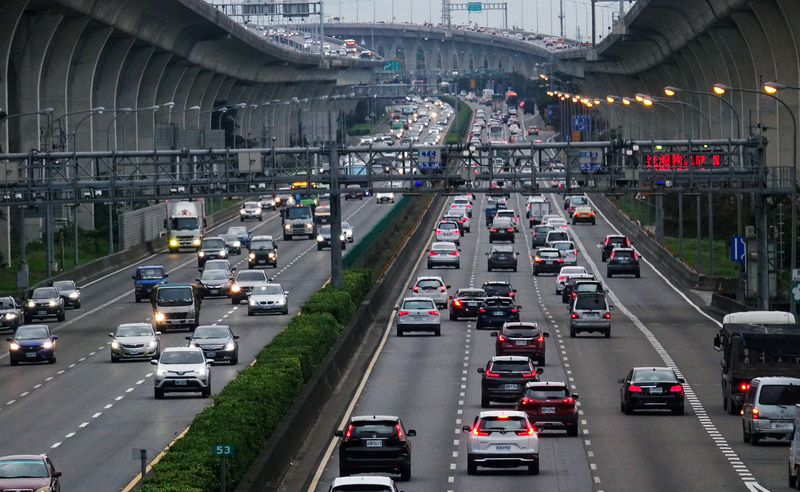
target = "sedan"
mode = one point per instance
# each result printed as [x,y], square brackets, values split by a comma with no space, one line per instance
[583,214]
[232,243]
[135,341]
[242,234]
[466,303]
[498,288]
[213,283]
[502,439]
[70,292]
[504,378]
[270,298]
[32,343]
[550,405]
[651,388]
[324,238]
[503,229]
[444,253]
[218,343]
[29,472]
[182,369]
[418,314]
[522,338]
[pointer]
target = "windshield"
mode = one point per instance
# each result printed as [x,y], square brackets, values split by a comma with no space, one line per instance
[214,275]
[6,304]
[429,284]
[45,293]
[213,244]
[32,333]
[212,332]
[267,290]
[23,469]
[264,244]
[175,297]
[521,331]
[252,275]
[238,231]
[299,213]
[654,376]
[183,224]
[134,331]
[182,357]
[595,303]
[511,366]
[150,273]
[64,285]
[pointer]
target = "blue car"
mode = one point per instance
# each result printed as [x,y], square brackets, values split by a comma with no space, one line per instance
[242,234]
[146,278]
[32,343]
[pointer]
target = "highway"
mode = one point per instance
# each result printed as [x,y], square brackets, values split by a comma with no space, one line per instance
[432,384]
[89,415]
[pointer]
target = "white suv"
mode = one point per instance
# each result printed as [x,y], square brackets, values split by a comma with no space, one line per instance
[433,287]
[502,439]
[182,369]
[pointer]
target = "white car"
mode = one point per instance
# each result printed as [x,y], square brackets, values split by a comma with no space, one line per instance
[462,201]
[448,231]
[373,483]
[418,314]
[461,208]
[250,210]
[502,439]
[384,196]
[568,251]
[182,369]
[433,287]
[507,213]
[347,230]
[557,223]
[564,274]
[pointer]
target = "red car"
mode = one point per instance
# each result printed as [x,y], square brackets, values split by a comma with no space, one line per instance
[521,338]
[550,405]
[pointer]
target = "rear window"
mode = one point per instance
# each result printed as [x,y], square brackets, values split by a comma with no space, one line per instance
[623,254]
[590,303]
[557,236]
[429,284]
[505,424]
[654,376]
[496,303]
[418,304]
[588,288]
[547,393]
[564,246]
[522,331]
[213,244]
[373,429]
[471,293]
[448,226]
[779,394]
[511,366]
[496,290]
[549,254]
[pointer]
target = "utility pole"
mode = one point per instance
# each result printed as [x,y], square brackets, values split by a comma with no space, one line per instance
[336,220]
[561,17]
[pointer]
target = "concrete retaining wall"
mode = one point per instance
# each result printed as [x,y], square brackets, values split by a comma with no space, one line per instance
[141,226]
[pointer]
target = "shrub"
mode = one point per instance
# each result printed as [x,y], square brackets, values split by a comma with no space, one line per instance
[331,300]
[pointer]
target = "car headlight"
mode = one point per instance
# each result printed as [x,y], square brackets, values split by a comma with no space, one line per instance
[202,371]
[235,288]
[31,303]
[73,295]
[230,346]
[52,303]
[258,211]
[173,242]
[272,255]
[48,344]
[288,227]
[196,241]
[277,200]
[280,302]
[252,256]
[153,343]
[223,253]
[160,317]
[342,237]
[10,316]
[251,301]
[114,344]
[242,211]
[320,238]
[201,254]
[13,346]
[192,344]
[237,244]
[161,372]
[309,226]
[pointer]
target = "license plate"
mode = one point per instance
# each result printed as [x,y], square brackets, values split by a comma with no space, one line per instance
[520,342]
[591,315]
[655,391]
[417,317]
[42,312]
[215,291]
[548,262]
[782,425]
[30,354]
[133,352]
[180,382]
[262,261]
[502,258]
[498,313]
[210,355]
[511,386]
[502,447]
[548,409]
[374,443]
[472,304]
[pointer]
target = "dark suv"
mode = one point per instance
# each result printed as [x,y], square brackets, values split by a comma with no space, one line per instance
[569,286]
[623,260]
[613,241]
[375,443]
[262,252]
[212,248]
[504,378]
[495,311]
[498,288]
[550,405]
[521,339]
[502,257]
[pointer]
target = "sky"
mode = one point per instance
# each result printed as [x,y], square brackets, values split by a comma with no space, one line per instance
[533,15]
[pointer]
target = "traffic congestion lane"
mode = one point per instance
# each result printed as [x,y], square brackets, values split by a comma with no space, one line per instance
[432,384]
[88,384]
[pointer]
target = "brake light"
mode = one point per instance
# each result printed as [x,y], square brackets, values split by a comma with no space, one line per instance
[490,374]
[568,399]
[562,277]
[476,432]
[399,431]
[402,313]
[612,255]
[492,230]
[527,432]
[443,288]
[416,288]
[634,388]
[435,313]
[575,253]
[744,386]
[574,315]
[453,253]
[438,231]
[526,400]
[537,259]
[560,260]
[432,253]
[540,338]
[483,310]
[457,303]
[529,374]
[461,221]
[607,315]
[635,256]
[676,389]
[349,431]
[501,338]
[469,206]
[755,413]
[627,242]
[502,417]
[510,230]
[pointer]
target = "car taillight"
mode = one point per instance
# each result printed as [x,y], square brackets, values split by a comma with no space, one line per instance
[456,303]
[754,411]
[510,230]
[513,310]
[469,206]
[575,253]
[676,389]
[501,338]
[627,243]
[399,432]
[574,295]
[443,288]
[492,230]
[574,315]
[490,374]
[349,431]
[744,386]
[483,310]
[612,255]
[568,399]
[402,313]
[540,338]
[461,221]
[537,259]
[476,432]
[635,256]
[438,231]
[527,432]
[526,400]
[529,374]
[634,388]
[607,315]
[562,277]
[432,253]
[453,253]
[416,288]
[435,313]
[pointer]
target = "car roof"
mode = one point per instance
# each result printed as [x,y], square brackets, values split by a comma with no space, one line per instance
[624,249]
[497,282]
[443,244]
[510,358]
[430,278]
[470,289]
[260,238]
[546,384]
[498,413]
[503,247]
[23,457]
[521,324]
[616,236]
[149,266]
[363,480]
[548,250]
[562,241]
[367,418]
[181,349]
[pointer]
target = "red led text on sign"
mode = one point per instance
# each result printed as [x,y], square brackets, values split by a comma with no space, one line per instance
[670,162]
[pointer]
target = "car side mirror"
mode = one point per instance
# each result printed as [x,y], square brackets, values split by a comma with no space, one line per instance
[513,290]
[200,270]
[519,308]
[158,333]
[493,334]
[447,286]
[487,254]
[574,396]
[621,380]
[545,334]
[197,280]
[610,308]
[236,337]
[681,380]
[717,342]
[188,338]
[338,433]
[466,428]
[286,293]
[154,362]
[133,277]
[411,433]
[540,370]
[111,335]
[481,370]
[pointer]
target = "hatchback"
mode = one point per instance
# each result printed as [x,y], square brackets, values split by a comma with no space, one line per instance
[498,288]
[550,405]
[135,341]
[418,314]
[590,312]
[587,282]
[623,261]
[583,214]
[212,248]
[444,253]
[502,439]
[182,369]
[375,443]
[651,388]
[213,283]
[466,303]
[504,378]
[433,287]
[464,222]
[522,338]
[769,408]
[496,311]
[32,343]
[363,484]
[568,251]
[502,258]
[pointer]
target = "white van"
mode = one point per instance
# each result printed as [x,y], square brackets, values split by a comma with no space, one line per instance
[768,408]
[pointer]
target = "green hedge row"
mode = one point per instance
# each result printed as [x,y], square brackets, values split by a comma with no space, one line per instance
[247,411]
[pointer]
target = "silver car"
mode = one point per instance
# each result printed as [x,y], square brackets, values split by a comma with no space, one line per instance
[135,341]
[269,298]
[432,287]
[502,439]
[418,314]
[182,369]
[568,251]
[245,282]
[590,312]
[563,275]
[444,253]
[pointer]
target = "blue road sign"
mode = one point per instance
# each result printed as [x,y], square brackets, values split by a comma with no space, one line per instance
[581,123]
[429,159]
[738,249]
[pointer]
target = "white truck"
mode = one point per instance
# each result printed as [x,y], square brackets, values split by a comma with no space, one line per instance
[185,224]
[537,207]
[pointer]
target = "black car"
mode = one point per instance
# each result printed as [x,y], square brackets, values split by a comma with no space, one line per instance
[213,283]
[498,288]
[70,292]
[547,260]
[495,311]
[586,287]
[217,342]
[375,443]
[262,252]
[503,229]
[212,248]
[611,242]
[623,261]
[569,285]
[539,235]
[502,258]
[504,378]
[651,388]
[10,313]
[233,243]
[466,303]
[44,302]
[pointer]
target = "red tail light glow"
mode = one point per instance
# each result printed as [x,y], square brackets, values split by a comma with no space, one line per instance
[568,399]
[402,313]
[635,256]
[513,310]
[435,313]
[399,431]
[483,310]
[490,374]
[560,260]
[502,417]
[676,389]
[529,374]
[443,288]
[574,315]
[612,255]
[432,253]
[744,386]
[607,315]
[540,338]
[527,432]
[492,230]
[439,231]
[501,338]
[349,431]
[476,432]
[453,253]
[537,259]
[510,230]
[416,288]
[755,413]
[456,303]
[634,388]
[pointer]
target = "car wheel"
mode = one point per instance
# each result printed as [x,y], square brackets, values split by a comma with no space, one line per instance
[241,219]
[62,316]
[558,292]
[792,479]
[512,240]
[285,310]
[405,473]
[400,332]
[572,431]
[429,266]
[593,222]
[437,331]
[138,299]
[638,275]
[608,333]
[114,359]
[206,392]
[235,360]
[628,410]
[542,360]
[319,248]
[458,266]
[249,312]
[754,438]
[234,301]
[485,403]
[603,258]
[472,467]
[572,332]
[515,269]
[344,245]
[453,316]
[535,273]
[159,393]
[489,268]
[609,274]
[14,362]
[533,468]
[286,237]
[78,306]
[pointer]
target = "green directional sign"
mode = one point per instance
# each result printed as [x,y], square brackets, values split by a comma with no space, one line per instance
[474,7]
[390,65]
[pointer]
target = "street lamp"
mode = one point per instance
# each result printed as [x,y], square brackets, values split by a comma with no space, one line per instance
[122,112]
[92,112]
[682,103]
[720,89]
[672,90]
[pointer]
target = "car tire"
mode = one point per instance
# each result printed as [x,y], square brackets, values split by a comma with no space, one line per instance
[453,317]
[319,248]
[286,237]
[608,333]
[628,410]
[285,310]
[458,266]
[472,466]
[138,299]
[400,332]
[114,359]
[535,273]
[78,306]
[533,468]
[512,240]
[62,316]
[572,431]
[558,292]
[489,268]
[437,331]
[541,360]
[679,410]
[249,312]
[234,301]
[485,402]
[515,269]
[344,246]
[241,219]
[638,275]
[159,393]
[14,362]
[754,438]
[609,274]
[235,360]
[429,266]
[792,479]
[572,332]
[206,392]
[603,258]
